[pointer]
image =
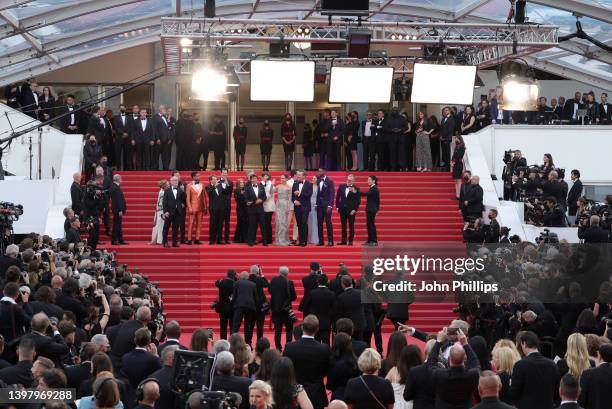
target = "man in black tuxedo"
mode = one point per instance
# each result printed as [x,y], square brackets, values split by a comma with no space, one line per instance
[70,123]
[345,326]
[30,99]
[534,378]
[244,297]
[215,209]
[76,194]
[81,372]
[349,305]
[569,391]
[571,107]
[119,209]
[302,190]
[13,317]
[472,200]
[123,341]
[596,383]
[454,386]
[325,207]
[143,141]
[224,305]
[92,153]
[309,283]
[173,334]
[447,131]
[173,207]
[256,275]
[73,234]
[142,361]
[21,373]
[218,141]
[347,202]
[132,120]
[225,380]
[335,137]
[97,125]
[165,377]
[321,302]
[593,233]
[489,387]
[372,206]
[181,223]
[282,294]
[163,138]
[255,195]
[54,347]
[574,193]
[396,146]
[311,362]
[368,133]
[605,110]
[419,386]
[228,189]
[555,188]
[381,141]
[123,145]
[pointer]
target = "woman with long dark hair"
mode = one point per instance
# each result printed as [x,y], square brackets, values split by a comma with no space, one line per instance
[457,163]
[288,134]
[484,114]
[343,365]
[47,104]
[468,122]
[434,140]
[410,357]
[397,342]
[548,166]
[423,148]
[286,392]
[242,224]
[266,136]
[268,359]
[308,146]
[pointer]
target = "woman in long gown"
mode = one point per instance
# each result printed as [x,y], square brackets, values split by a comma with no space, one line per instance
[284,212]
[423,148]
[158,222]
[242,223]
[313,229]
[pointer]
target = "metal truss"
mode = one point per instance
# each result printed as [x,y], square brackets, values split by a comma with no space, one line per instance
[484,43]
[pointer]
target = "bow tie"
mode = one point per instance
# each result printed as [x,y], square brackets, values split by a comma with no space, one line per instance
[196,183]
[174,188]
[254,185]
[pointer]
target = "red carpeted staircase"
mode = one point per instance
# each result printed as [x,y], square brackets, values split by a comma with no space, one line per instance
[415,207]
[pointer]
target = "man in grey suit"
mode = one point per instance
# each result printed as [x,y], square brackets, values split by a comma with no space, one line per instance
[245,300]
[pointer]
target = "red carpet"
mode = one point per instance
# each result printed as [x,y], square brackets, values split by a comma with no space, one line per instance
[415,207]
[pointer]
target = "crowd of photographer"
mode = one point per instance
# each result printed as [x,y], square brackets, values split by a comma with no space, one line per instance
[69,313]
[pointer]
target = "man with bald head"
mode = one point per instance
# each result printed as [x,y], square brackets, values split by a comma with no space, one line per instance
[337,404]
[150,395]
[165,377]
[76,194]
[454,386]
[54,347]
[473,198]
[489,386]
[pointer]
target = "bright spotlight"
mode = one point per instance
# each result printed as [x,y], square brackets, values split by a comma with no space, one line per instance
[209,84]
[520,93]
[186,42]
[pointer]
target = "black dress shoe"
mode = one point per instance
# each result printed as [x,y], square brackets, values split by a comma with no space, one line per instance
[350,243]
[166,245]
[265,244]
[197,242]
[115,243]
[123,243]
[183,241]
[175,245]
[227,242]
[330,244]
[320,245]
[342,243]
[304,244]
[251,244]
[188,242]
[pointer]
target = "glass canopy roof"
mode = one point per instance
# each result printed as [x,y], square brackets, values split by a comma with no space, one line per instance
[41,35]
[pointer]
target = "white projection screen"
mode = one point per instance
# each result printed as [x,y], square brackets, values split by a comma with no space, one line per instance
[278,80]
[443,84]
[360,85]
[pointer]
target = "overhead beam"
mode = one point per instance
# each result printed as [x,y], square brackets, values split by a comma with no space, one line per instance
[467,9]
[61,14]
[381,8]
[33,41]
[312,10]
[587,50]
[586,8]
[255,5]
[9,4]
[570,73]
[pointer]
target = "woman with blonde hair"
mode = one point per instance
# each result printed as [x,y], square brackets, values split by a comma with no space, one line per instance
[576,358]
[158,222]
[369,390]
[260,395]
[504,358]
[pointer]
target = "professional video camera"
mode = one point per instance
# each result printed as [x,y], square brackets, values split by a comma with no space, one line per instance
[600,209]
[94,189]
[9,213]
[220,400]
[548,237]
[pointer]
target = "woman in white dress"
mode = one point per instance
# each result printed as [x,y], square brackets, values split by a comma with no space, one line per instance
[313,230]
[411,356]
[158,222]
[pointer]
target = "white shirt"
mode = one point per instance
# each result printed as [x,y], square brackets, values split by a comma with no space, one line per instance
[606,108]
[123,119]
[347,191]
[500,114]
[103,122]
[321,183]
[175,191]
[35,97]
[300,185]
[256,190]
[575,109]
[164,118]
[143,123]
[8,299]
[367,131]
[70,109]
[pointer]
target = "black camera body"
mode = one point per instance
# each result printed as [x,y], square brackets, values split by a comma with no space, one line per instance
[220,400]
[548,237]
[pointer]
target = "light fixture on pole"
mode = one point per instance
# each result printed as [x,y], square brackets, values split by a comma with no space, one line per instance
[302,34]
[520,86]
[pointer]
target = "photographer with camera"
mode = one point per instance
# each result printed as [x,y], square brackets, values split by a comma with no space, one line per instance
[554,214]
[590,231]
[514,162]
[92,153]
[472,230]
[52,347]
[73,235]
[119,209]
[93,202]
[491,230]
[573,195]
[14,318]
[554,187]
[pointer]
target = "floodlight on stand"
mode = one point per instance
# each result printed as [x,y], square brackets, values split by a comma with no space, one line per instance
[520,93]
[209,83]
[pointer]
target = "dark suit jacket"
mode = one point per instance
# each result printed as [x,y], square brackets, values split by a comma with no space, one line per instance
[226,289]
[161,347]
[123,341]
[605,114]
[117,199]
[372,199]
[454,386]
[77,374]
[349,202]
[140,136]
[76,196]
[232,383]
[18,374]
[245,295]
[596,387]
[474,195]
[28,102]
[447,128]
[172,205]
[419,388]
[73,304]
[161,131]
[594,234]
[166,396]
[570,405]
[21,320]
[568,109]
[282,293]
[95,127]
[92,154]
[349,305]
[325,196]
[215,197]
[250,196]
[303,197]
[50,347]
[572,197]
[122,125]
[138,364]
[311,361]
[66,121]
[534,383]
[6,262]
[556,190]
[492,403]
[321,302]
